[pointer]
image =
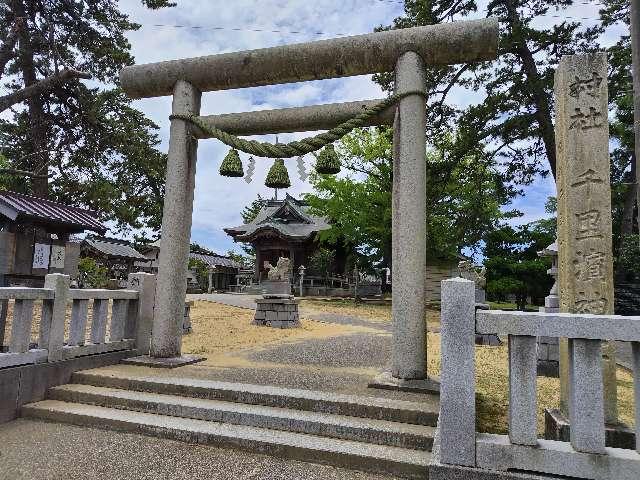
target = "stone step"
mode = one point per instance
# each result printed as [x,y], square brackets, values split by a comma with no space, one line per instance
[377,408]
[310,448]
[380,432]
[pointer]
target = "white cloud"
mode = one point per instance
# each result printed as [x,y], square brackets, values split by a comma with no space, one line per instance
[219,200]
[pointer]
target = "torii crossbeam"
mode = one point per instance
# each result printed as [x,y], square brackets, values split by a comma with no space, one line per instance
[406,52]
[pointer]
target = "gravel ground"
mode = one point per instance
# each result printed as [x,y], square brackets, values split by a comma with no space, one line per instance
[33,449]
[356,350]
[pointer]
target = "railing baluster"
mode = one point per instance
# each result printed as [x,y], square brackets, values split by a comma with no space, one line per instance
[522,390]
[21,328]
[78,327]
[132,317]
[635,348]
[46,315]
[119,313]
[99,320]
[586,400]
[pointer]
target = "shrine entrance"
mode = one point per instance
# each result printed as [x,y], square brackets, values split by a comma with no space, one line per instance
[406,52]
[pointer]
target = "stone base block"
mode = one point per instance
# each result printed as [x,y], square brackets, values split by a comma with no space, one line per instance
[172,362]
[386,381]
[277,311]
[276,287]
[556,427]
[277,323]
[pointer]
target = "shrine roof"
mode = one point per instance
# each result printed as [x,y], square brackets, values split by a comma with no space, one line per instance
[215,260]
[19,207]
[114,248]
[288,218]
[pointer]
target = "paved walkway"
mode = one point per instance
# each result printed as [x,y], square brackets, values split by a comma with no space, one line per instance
[33,449]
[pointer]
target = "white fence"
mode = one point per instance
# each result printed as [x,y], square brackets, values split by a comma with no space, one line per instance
[585,456]
[128,325]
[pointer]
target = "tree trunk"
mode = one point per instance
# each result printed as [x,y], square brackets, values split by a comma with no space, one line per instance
[542,108]
[38,157]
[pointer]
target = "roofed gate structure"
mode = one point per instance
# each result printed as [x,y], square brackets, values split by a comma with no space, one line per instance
[405,52]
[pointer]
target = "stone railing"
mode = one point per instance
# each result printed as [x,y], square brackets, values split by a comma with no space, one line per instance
[128,325]
[586,455]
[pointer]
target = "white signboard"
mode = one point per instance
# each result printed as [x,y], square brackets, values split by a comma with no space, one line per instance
[57,256]
[41,255]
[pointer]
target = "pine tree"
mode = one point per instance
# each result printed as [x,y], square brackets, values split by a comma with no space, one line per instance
[86,145]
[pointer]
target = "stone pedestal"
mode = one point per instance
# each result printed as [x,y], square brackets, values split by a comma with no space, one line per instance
[278,311]
[276,287]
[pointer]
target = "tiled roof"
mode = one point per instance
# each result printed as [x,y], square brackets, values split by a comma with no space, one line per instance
[17,206]
[114,248]
[301,226]
[215,260]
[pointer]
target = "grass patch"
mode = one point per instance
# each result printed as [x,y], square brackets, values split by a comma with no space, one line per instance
[492,388]
[374,313]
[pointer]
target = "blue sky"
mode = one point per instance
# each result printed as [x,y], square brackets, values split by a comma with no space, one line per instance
[219,200]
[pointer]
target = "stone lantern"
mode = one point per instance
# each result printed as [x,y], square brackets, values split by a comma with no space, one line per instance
[548,350]
[551,301]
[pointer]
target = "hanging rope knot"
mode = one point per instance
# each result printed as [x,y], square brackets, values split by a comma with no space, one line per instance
[300,147]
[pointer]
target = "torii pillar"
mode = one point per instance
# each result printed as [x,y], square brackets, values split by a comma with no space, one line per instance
[405,51]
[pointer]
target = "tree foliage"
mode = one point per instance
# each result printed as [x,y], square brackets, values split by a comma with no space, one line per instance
[512,109]
[463,199]
[92,148]
[91,274]
[512,263]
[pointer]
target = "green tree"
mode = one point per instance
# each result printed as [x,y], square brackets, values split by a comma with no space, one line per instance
[91,274]
[321,263]
[197,248]
[464,197]
[512,263]
[89,146]
[515,117]
[201,269]
[249,214]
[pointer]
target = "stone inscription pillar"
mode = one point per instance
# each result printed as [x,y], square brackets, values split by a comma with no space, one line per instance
[585,256]
[409,222]
[176,227]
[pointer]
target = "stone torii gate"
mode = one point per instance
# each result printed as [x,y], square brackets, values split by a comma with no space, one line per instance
[406,52]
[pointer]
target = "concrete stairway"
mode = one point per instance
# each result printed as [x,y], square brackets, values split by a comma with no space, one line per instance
[359,432]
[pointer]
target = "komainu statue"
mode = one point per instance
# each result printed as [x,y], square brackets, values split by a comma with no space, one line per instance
[281,271]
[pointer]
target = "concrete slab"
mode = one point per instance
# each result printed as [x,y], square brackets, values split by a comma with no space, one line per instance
[35,449]
[387,381]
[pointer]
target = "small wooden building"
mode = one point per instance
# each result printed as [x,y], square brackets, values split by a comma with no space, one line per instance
[283,228]
[117,255]
[35,238]
[222,271]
